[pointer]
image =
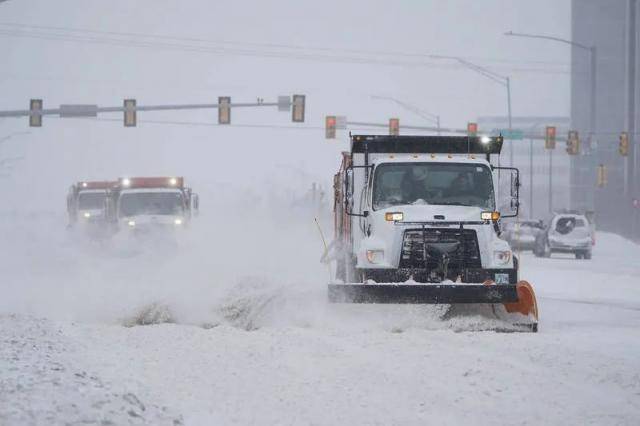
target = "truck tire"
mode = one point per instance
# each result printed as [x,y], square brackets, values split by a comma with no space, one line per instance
[587,255]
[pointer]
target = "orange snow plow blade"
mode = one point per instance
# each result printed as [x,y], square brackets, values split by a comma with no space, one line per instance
[526,304]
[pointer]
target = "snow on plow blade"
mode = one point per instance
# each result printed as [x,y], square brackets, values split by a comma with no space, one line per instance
[422,293]
[514,304]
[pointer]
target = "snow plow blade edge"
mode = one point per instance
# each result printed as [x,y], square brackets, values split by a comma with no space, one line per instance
[422,293]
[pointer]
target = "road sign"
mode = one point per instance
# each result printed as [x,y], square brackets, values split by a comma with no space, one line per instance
[284,103]
[514,134]
[75,110]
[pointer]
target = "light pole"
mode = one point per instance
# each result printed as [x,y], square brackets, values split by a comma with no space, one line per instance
[592,89]
[417,111]
[495,77]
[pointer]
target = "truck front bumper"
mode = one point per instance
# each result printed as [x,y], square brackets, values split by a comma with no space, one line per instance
[422,293]
[468,275]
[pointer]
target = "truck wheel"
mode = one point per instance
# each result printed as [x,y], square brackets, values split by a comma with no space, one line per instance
[587,255]
[579,255]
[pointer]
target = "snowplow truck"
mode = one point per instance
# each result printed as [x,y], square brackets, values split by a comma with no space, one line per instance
[417,220]
[146,204]
[85,202]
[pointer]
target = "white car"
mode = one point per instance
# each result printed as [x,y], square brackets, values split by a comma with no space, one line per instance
[566,233]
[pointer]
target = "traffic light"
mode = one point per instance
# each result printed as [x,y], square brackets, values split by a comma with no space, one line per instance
[297,115]
[550,137]
[623,148]
[472,129]
[394,126]
[130,116]
[35,110]
[224,110]
[602,176]
[573,143]
[330,127]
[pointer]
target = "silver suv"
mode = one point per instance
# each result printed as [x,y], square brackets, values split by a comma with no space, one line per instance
[566,233]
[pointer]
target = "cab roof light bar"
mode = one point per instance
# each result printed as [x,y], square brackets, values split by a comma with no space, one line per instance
[426,144]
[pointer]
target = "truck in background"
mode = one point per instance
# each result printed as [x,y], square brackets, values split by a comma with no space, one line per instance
[148,205]
[86,202]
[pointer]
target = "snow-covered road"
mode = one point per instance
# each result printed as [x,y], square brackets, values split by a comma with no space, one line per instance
[262,353]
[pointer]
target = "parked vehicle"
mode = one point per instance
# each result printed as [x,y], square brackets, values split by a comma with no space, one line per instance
[566,233]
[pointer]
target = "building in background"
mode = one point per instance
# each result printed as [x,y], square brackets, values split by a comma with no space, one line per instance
[540,169]
[612,27]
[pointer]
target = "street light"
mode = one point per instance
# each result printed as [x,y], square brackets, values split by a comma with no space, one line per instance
[593,59]
[592,95]
[417,111]
[496,78]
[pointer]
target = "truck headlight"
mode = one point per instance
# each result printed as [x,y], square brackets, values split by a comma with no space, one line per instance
[87,215]
[178,222]
[131,223]
[394,217]
[375,256]
[494,216]
[502,257]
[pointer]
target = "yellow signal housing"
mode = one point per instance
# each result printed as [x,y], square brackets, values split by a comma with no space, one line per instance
[623,148]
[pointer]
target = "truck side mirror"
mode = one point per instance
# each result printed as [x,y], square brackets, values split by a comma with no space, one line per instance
[515,184]
[508,193]
[349,183]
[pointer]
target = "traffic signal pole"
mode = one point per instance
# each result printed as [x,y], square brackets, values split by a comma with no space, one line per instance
[551,181]
[631,161]
[74,110]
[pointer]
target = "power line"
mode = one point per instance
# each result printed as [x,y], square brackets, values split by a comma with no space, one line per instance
[327,55]
[256,44]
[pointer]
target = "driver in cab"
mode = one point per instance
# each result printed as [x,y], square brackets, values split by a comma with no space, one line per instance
[460,186]
[415,185]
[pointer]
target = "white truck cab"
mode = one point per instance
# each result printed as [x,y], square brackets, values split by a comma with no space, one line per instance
[85,202]
[423,209]
[148,204]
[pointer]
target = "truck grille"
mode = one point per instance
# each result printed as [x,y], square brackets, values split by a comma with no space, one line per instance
[466,255]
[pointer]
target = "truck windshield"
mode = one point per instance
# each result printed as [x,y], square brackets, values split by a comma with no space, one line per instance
[433,183]
[91,200]
[156,203]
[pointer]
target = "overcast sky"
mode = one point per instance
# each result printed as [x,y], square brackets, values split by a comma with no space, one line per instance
[338,53]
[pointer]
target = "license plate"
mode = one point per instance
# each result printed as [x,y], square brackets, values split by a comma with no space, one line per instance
[502,278]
